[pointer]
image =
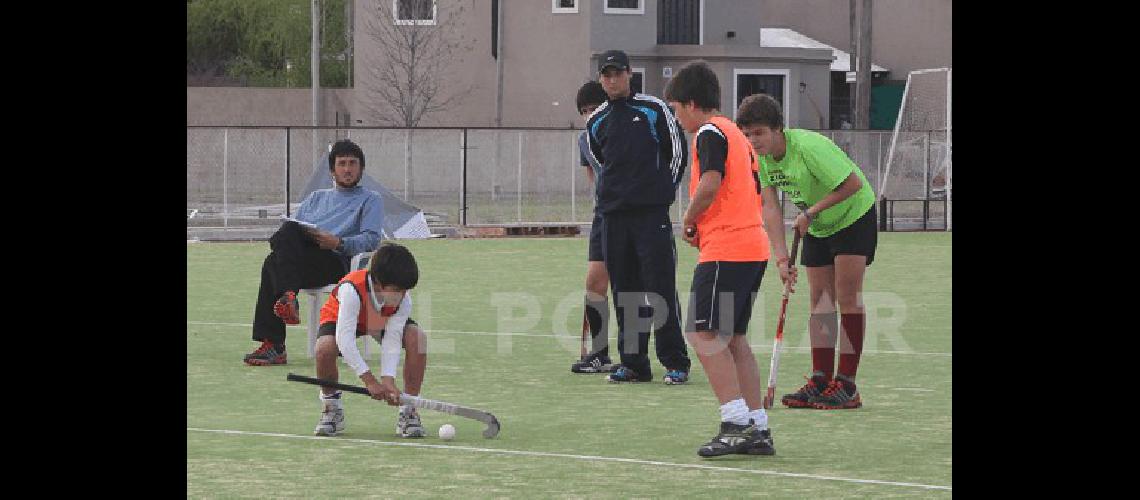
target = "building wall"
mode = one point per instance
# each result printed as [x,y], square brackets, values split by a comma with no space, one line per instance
[546,57]
[263,106]
[722,16]
[905,34]
[628,32]
[546,60]
[471,74]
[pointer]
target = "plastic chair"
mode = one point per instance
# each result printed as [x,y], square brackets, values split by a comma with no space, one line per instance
[359,261]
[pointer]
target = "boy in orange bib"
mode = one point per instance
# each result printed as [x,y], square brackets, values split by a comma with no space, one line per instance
[374,302]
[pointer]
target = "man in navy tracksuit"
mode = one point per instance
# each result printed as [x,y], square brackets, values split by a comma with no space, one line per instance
[638,143]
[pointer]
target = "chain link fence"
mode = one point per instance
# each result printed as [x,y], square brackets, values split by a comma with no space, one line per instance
[241,177]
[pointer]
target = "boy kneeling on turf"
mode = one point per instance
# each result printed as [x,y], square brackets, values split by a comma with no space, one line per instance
[723,221]
[374,302]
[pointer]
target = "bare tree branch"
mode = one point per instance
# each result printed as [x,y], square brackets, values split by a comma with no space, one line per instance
[410,71]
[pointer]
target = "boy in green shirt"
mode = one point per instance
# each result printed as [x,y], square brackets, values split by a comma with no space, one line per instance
[837,220]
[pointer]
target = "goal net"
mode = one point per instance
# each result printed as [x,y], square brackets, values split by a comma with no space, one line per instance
[919,164]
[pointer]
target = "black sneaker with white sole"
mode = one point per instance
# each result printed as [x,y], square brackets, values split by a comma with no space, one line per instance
[624,374]
[594,364]
[740,440]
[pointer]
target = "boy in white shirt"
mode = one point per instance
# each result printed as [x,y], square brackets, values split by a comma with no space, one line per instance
[375,302]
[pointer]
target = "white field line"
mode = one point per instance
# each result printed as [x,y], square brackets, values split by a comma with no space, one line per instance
[580,457]
[519,334]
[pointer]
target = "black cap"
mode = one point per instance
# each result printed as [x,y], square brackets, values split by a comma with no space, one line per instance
[615,58]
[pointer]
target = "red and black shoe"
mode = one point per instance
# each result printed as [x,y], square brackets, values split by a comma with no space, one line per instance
[811,390]
[287,308]
[267,354]
[841,394]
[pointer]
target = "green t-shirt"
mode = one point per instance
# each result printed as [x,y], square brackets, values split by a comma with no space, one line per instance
[812,168]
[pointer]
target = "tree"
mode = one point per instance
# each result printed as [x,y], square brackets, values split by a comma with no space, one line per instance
[263,43]
[414,47]
[409,69]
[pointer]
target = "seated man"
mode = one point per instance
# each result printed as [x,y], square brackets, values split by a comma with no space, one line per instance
[347,220]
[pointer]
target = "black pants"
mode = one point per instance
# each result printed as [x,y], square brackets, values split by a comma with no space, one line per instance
[294,262]
[641,258]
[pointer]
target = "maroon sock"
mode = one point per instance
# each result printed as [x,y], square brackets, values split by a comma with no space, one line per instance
[851,344]
[822,331]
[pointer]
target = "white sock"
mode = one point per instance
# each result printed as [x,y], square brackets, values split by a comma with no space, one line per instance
[734,411]
[759,417]
[331,399]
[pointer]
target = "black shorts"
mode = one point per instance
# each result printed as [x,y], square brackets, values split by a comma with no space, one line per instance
[860,238]
[329,328]
[722,295]
[596,251]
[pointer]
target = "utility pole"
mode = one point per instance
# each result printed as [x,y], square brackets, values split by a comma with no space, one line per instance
[851,52]
[315,55]
[349,24]
[498,4]
[863,77]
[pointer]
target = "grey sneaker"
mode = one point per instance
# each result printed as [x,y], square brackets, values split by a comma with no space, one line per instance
[332,418]
[408,423]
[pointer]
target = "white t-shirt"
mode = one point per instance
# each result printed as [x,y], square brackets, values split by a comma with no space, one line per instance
[393,332]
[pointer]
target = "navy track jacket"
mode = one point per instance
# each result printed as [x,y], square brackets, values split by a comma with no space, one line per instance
[641,150]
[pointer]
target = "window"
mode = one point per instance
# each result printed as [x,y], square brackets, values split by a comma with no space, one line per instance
[637,82]
[417,12]
[564,6]
[678,22]
[624,7]
[764,81]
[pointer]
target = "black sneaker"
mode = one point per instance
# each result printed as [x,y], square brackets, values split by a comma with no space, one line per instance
[739,439]
[676,377]
[811,390]
[624,374]
[267,354]
[841,394]
[594,364]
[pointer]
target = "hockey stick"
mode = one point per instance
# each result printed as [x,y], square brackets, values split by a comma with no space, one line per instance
[777,347]
[585,330]
[491,431]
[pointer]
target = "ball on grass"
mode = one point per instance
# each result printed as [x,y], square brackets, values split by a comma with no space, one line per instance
[446,432]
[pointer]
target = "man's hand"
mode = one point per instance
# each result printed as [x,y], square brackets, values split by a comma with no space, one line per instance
[689,235]
[801,223]
[787,272]
[689,230]
[391,393]
[385,390]
[325,240]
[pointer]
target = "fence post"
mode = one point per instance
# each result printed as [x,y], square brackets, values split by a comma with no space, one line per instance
[925,212]
[463,182]
[225,173]
[926,166]
[882,213]
[518,194]
[573,181]
[288,170]
[407,153]
[879,164]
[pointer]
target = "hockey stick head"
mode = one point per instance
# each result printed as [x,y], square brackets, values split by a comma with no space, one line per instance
[492,429]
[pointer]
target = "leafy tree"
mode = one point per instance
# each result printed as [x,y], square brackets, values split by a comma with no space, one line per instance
[264,43]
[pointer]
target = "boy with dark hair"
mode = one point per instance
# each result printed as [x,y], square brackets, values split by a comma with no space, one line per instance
[373,302]
[723,221]
[345,220]
[597,309]
[837,220]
